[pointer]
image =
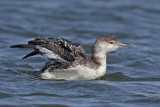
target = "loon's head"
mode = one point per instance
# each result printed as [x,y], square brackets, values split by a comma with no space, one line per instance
[107,44]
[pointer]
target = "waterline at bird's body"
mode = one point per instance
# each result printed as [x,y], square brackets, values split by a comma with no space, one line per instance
[75,73]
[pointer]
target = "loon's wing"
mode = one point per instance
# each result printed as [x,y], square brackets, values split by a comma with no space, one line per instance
[60,50]
[75,48]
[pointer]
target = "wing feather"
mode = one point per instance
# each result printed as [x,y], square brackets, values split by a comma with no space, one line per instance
[57,49]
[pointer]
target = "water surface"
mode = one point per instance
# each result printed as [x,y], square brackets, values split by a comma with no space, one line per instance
[133,76]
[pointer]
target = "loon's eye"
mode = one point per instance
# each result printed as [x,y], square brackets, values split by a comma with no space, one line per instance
[111,42]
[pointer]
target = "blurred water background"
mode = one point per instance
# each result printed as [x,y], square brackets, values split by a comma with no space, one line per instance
[133,75]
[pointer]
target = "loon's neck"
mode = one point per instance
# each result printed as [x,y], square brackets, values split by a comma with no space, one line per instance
[99,57]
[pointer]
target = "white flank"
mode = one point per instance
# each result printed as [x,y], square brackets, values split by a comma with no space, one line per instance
[76,73]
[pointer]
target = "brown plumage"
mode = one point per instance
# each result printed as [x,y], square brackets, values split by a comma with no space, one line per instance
[70,57]
[63,48]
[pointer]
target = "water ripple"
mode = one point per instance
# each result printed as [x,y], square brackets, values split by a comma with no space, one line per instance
[132,77]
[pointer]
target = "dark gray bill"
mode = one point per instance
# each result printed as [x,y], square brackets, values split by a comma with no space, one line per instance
[126,45]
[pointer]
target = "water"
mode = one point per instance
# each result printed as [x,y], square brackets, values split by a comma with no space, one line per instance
[133,76]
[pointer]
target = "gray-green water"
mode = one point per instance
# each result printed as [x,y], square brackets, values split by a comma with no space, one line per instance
[133,75]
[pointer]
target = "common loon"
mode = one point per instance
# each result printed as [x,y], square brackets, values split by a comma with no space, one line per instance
[69,61]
